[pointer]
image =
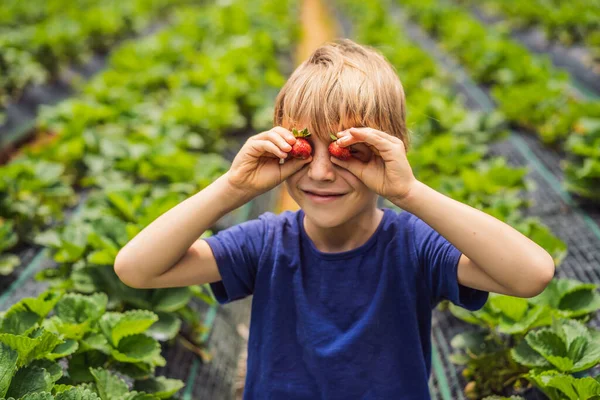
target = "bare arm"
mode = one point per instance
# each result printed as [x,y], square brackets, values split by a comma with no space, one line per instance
[169,253]
[496,257]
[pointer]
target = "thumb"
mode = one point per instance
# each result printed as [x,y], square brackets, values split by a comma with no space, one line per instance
[292,165]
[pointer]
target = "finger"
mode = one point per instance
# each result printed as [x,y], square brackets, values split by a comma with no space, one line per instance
[292,166]
[268,148]
[286,134]
[361,137]
[356,167]
[278,140]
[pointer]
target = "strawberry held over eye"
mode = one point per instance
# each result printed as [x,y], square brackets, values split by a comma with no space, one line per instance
[301,149]
[343,153]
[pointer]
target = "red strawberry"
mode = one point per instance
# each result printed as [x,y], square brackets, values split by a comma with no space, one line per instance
[301,149]
[343,153]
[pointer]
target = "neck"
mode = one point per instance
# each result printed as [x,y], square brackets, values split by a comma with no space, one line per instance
[351,234]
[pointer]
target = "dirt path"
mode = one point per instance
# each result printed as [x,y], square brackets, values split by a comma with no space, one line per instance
[319,27]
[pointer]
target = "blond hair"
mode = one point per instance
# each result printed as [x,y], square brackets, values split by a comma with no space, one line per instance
[342,85]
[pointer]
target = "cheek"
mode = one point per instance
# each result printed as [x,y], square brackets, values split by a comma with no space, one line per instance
[357,185]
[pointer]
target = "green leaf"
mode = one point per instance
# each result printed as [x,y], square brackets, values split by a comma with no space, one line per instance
[135,370]
[69,347]
[118,325]
[172,299]
[38,396]
[139,396]
[580,302]
[513,307]
[8,263]
[31,348]
[18,320]
[44,303]
[102,257]
[572,388]
[136,348]
[77,393]
[77,308]
[65,329]
[525,355]
[109,386]
[95,341]
[160,386]
[166,327]
[51,367]
[586,356]
[8,366]
[80,363]
[551,346]
[30,379]
[25,314]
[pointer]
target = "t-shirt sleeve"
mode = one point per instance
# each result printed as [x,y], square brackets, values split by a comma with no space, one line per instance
[439,259]
[237,250]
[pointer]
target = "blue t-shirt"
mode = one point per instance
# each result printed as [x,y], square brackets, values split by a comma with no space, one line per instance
[349,325]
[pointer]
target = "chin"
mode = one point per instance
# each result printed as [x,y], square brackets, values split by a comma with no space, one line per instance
[325,217]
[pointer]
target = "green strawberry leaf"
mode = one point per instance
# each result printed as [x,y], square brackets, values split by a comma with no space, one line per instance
[69,347]
[110,387]
[8,366]
[525,355]
[30,379]
[76,308]
[115,326]
[159,386]
[172,299]
[166,327]
[77,393]
[136,348]
[31,348]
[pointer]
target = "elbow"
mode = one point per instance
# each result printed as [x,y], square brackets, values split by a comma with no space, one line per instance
[126,272]
[543,272]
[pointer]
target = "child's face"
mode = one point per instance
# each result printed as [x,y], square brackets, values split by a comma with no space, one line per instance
[323,177]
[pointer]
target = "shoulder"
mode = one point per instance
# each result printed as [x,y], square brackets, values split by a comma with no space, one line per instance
[400,222]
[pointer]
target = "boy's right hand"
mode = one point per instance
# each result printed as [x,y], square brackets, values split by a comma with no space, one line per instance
[256,168]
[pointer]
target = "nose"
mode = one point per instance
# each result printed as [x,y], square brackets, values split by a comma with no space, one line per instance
[321,168]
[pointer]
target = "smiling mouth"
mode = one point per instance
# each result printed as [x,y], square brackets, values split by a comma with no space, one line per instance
[323,197]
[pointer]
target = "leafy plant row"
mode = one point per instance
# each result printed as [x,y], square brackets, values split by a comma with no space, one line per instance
[528,89]
[450,154]
[42,338]
[38,38]
[17,13]
[163,103]
[569,22]
[143,136]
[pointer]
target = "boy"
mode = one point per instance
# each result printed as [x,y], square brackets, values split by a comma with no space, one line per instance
[343,291]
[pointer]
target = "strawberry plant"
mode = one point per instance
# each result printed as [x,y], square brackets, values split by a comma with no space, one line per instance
[563,298]
[573,22]
[158,125]
[559,386]
[63,33]
[528,89]
[582,167]
[62,345]
[567,346]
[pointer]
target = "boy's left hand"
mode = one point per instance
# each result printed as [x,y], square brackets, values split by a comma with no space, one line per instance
[388,172]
